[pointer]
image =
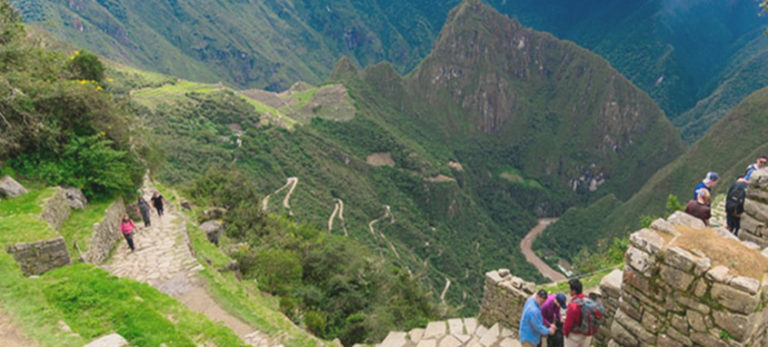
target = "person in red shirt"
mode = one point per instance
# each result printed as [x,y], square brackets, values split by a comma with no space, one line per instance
[573,318]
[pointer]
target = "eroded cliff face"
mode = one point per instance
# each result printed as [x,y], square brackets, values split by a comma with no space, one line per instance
[564,111]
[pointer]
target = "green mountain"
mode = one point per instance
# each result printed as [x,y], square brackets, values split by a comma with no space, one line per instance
[732,144]
[444,170]
[696,59]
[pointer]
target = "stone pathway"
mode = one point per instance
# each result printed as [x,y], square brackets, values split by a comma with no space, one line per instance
[453,333]
[163,259]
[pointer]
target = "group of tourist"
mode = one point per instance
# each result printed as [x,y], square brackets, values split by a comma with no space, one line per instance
[542,317]
[700,205]
[143,208]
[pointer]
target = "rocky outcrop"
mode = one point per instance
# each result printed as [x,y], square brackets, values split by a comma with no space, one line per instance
[104,235]
[74,198]
[675,292]
[111,340]
[212,213]
[9,187]
[36,258]
[212,230]
[504,298]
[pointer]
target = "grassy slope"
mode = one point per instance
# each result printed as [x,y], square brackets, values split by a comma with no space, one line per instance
[91,301]
[732,144]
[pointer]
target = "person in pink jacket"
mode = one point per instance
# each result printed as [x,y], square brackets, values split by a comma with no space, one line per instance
[126,227]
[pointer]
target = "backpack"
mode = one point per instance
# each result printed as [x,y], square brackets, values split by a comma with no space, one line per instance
[592,315]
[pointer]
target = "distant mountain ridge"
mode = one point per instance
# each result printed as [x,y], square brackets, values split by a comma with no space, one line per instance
[696,59]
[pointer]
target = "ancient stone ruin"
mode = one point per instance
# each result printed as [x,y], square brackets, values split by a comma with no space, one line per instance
[36,258]
[754,221]
[504,298]
[685,284]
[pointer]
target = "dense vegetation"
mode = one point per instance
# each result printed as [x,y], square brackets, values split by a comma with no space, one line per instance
[58,123]
[662,47]
[335,286]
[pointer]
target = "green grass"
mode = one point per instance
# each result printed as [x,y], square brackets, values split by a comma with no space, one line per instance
[20,218]
[95,303]
[22,299]
[588,282]
[79,227]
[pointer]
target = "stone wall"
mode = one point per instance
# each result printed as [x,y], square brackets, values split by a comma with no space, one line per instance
[608,294]
[56,210]
[503,299]
[35,258]
[754,221]
[673,296]
[105,233]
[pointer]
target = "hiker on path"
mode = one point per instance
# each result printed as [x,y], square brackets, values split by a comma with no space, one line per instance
[757,165]
[573,318]
[699,208]
[143,208]
[126,227]
[708,183]
[734,204]
[531,324]
[157,202]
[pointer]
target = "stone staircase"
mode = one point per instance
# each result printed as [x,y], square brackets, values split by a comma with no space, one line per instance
[453,333]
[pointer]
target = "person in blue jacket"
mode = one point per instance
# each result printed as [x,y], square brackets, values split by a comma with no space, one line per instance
[531,324]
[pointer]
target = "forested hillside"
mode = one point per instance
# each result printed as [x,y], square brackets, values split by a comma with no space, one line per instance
[732,144]
[696,60]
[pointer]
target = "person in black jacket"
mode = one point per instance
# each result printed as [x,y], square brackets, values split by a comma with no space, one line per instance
[734,204]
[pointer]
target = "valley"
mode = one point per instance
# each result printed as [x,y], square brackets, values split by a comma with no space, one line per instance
[342,172]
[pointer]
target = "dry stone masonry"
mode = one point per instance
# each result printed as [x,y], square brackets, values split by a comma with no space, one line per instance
[36,258]
[105,233]
[504,298]
[454,333]
[687,285]
[609,295]
[56,209]
[754,221]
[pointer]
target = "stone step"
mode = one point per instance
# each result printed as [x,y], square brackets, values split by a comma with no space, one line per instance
[453,333]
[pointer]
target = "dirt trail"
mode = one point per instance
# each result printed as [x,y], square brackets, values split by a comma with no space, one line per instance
[527,242]
[445,290]
[163,260]
[290,183]
[10,336]
[387,214]
[338,209]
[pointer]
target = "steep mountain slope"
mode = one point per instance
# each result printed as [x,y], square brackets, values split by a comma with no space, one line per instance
[732,144]
[443,178]
[562,114]
[265,44]
[692,57]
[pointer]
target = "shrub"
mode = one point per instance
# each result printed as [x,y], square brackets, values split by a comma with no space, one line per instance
[86,66]
[89,163]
